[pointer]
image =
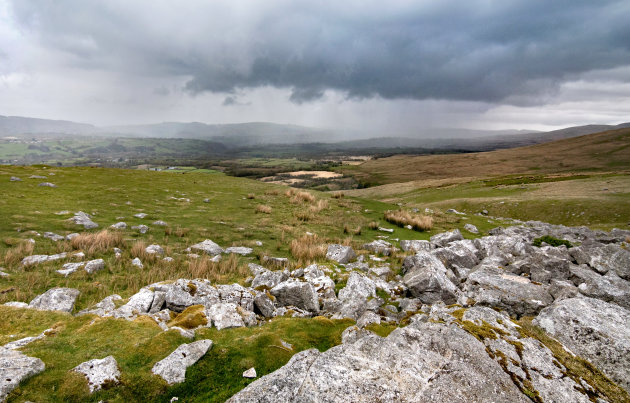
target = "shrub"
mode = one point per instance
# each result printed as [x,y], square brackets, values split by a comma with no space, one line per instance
[263,208]
[99,242]
[402,218]
[548,239]
[302,197]
[319,206]
[373,225]
[19,252]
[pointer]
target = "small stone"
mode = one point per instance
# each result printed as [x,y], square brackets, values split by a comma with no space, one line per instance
[141,228]
[154,249]
[94,265]
[471,228]
[137,262]
[250,373]
[239,250]
[119,225]
[208,247]
[140,215]
[53,236]
[160,223]
[15,179]
[47,184]
[173,368]
[99,372]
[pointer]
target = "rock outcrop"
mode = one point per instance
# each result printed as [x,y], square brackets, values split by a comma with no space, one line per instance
[173,368]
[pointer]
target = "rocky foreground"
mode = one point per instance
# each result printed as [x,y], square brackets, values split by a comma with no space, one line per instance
[460,304]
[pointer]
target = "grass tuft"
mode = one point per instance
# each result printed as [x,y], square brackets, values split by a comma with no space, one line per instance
[15,254]
[100,242]
[308,249]
[264,209]
[402,218]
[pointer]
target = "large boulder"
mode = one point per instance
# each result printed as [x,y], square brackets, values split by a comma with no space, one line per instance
[460,254]
[593,329]
[236,294]
[502,245]
[604,259]
[208,247]
[426,278]
[609,288]
[99,372]
[421,362]
[340,253]
[296,293]
[14,368]
[415,246]
[497,288]
[94,265]
[36,259]
[269,279]
[173,368]
[56,299]
[183,293]
[445,238]
[225,316]
[380,246]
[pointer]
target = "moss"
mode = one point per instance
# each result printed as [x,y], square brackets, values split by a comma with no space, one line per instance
[458,313]
[191,318]
[192,288]
[382,294]
[577,368]
[551,241]
[383,329]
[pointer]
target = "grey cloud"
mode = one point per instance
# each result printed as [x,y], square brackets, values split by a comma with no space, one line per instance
[516,52]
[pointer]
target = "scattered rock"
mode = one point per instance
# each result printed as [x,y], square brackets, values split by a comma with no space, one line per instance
[382,229]
[119,225]
[208,247]
[47,184]
[36,259]
[250,373]
[426,278]
[70,268]
[99,372]
[56,299]
[141,228]
[154,249]
[471,228]
[15,179]
[296,293]
[137,262]
[94,265]
[14,368]
[380,246]
[160,223]
[173,368]
[415,246]
[340,253]
[445,238]
[239,250]
[81,218]
[140,215]
[53,236]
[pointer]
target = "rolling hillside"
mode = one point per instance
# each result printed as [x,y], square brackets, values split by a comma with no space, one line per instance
[605,151]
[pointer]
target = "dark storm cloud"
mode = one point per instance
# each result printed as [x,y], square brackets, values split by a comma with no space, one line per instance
[491,51]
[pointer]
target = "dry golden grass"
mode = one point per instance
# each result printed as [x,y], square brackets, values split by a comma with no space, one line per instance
[178,232]
[15,254]
[337,195]
[139,250]
[303,215]
[302,197]
[402,218]
[100,242]
[307,249]
[251,196]
[319,206]
[264,209]
[272,192]
[227,269]
[351,231]
[373,225]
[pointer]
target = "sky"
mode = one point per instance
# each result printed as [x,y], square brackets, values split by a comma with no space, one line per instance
[395,66]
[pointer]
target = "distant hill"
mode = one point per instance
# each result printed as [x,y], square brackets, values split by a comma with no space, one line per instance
[264,133]
[17,125]
[605,151]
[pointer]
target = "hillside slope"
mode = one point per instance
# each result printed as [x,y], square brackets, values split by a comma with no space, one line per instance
[605,151]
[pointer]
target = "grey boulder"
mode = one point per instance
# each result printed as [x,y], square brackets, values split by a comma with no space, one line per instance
[340,253]
[415,246]
[81,218]
[593,329]
[56,299]
[426,279]
[14,368]
[99,372]
[296,293]
[445,238]
[208,247]
[173,368]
